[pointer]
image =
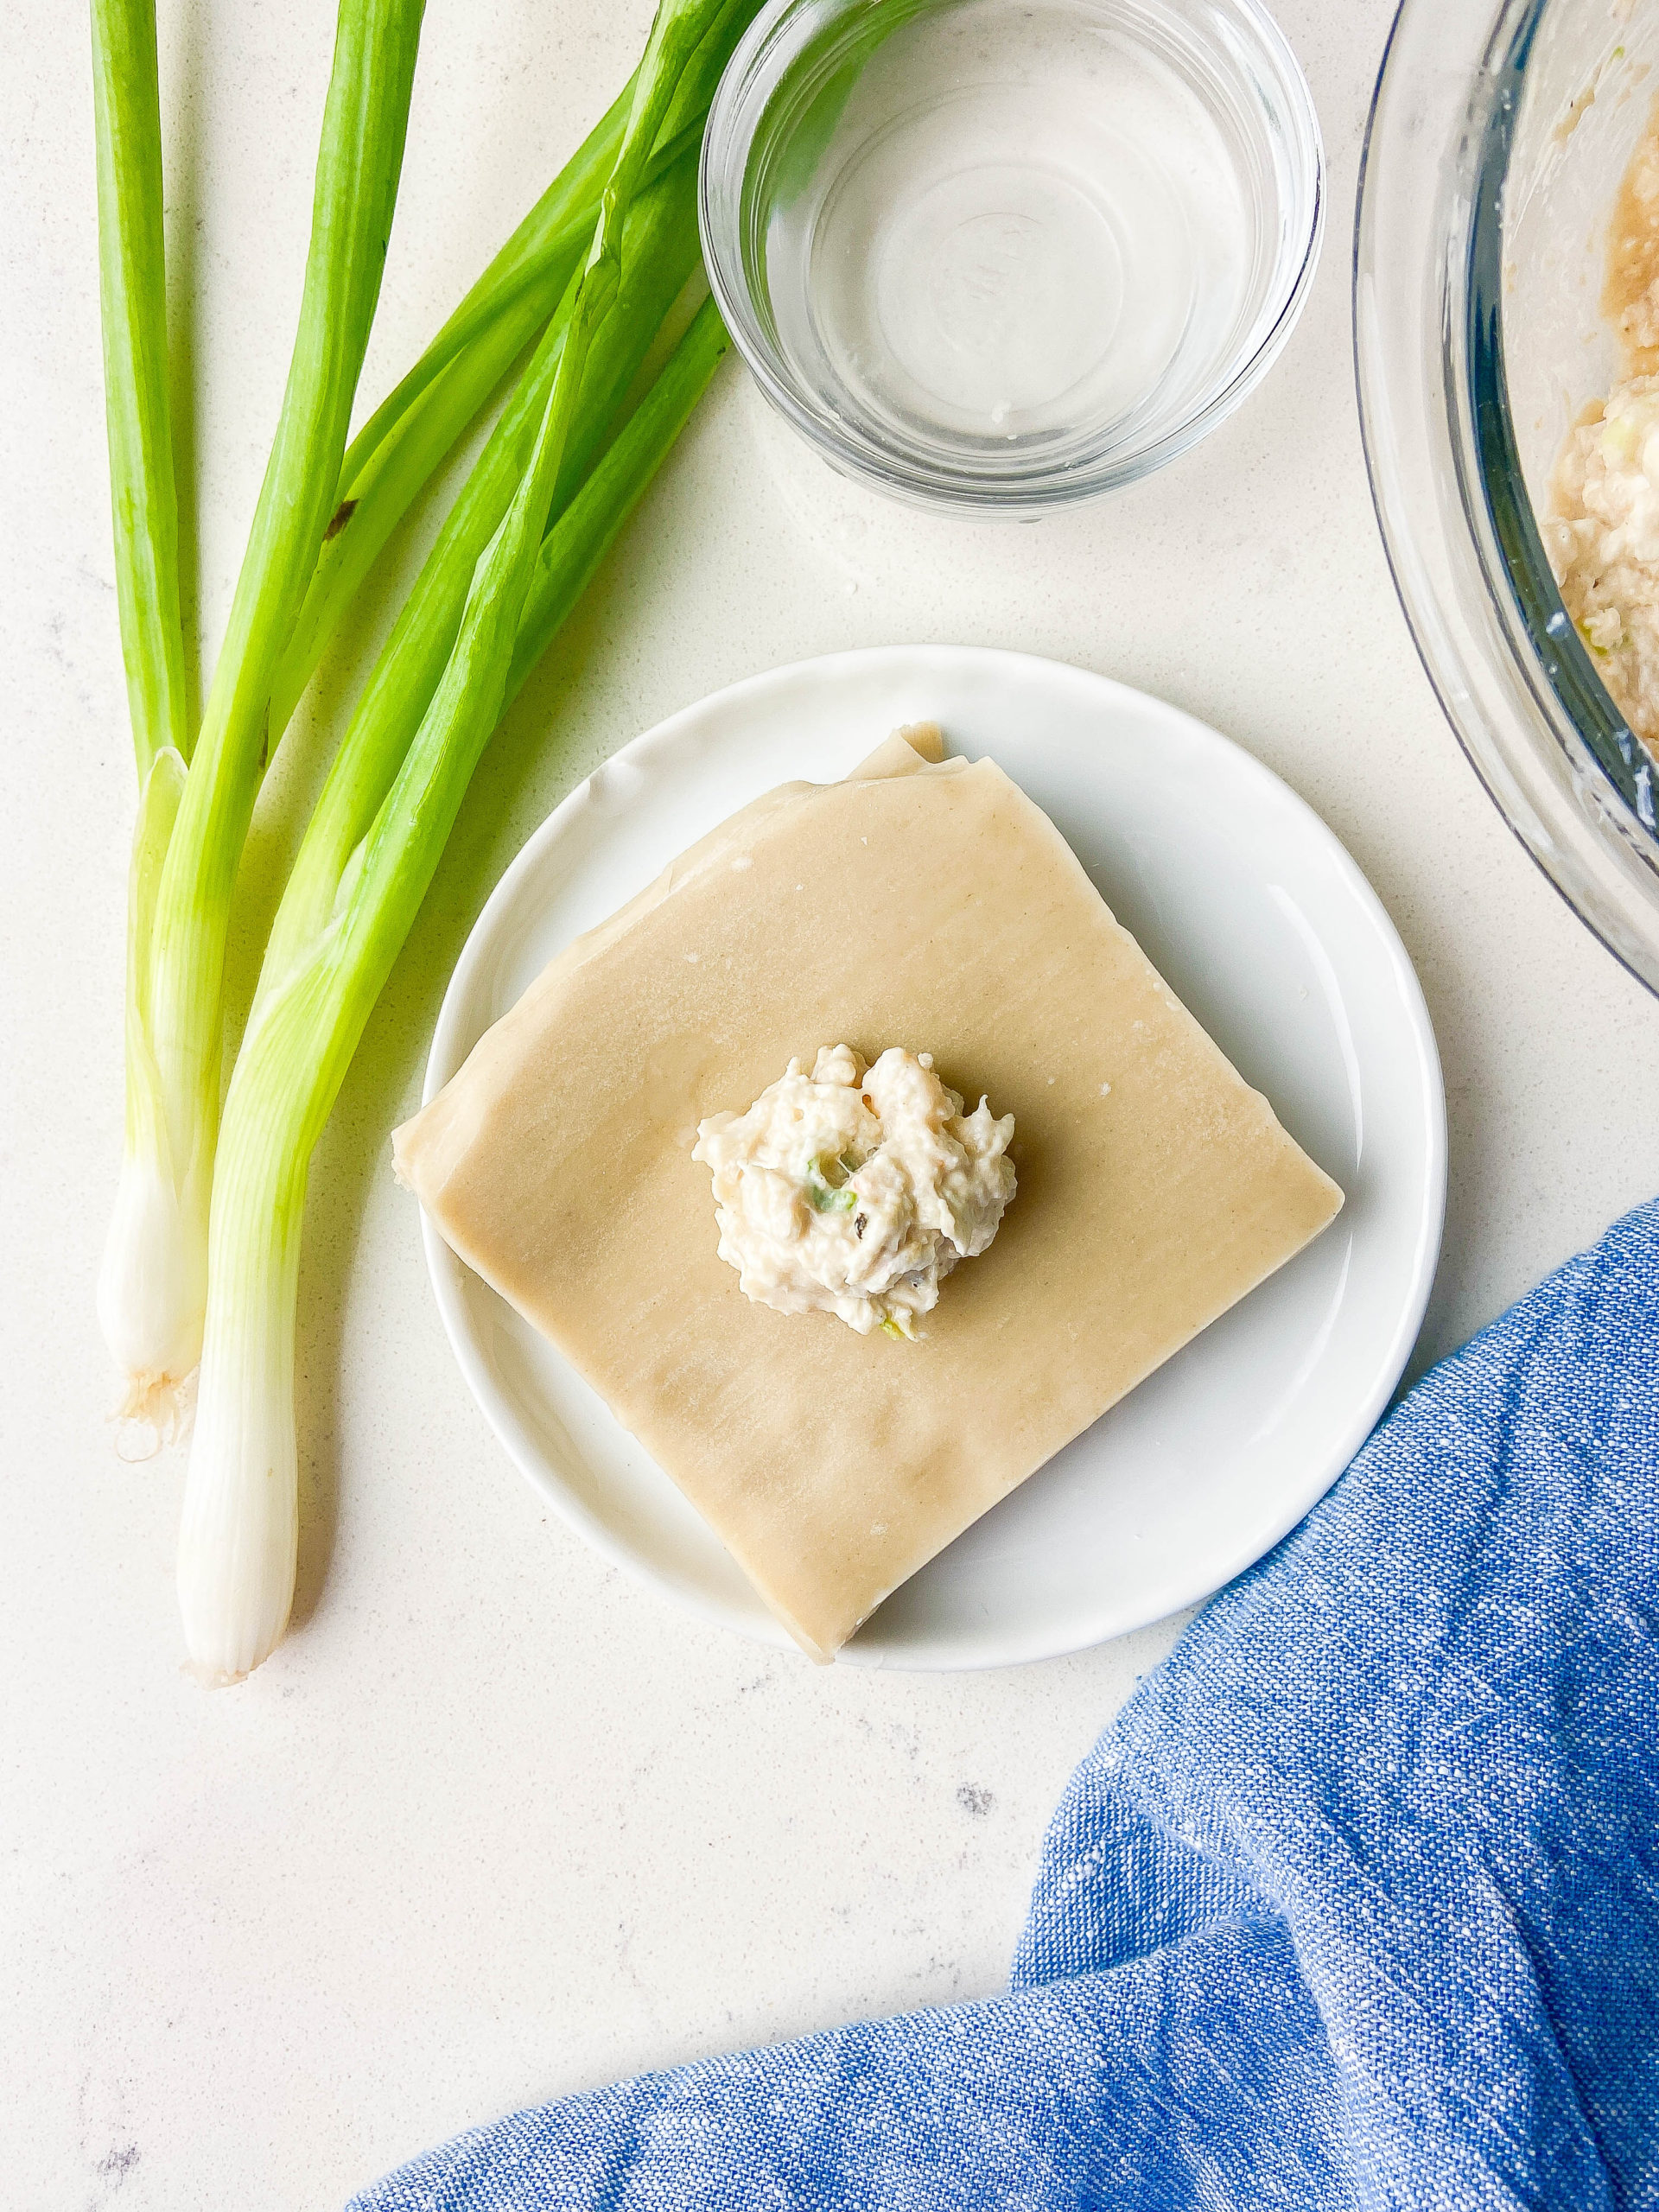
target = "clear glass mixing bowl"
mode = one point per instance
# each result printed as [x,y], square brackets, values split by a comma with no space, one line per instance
[999,254]
[1497,140]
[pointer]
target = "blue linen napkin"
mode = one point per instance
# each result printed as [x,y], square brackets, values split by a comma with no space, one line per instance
[1355,1904]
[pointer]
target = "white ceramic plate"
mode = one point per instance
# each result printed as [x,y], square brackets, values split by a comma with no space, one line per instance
[1264,926]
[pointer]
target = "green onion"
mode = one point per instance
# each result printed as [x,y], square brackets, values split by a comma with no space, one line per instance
[133,296]
[152,1287]
[138,1306]
[825,1197]
[348,908]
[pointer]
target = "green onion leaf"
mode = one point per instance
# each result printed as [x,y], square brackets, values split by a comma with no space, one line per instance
[133,287]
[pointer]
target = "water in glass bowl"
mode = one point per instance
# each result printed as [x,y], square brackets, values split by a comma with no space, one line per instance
[1025,229]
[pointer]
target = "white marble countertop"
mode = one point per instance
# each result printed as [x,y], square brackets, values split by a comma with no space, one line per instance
[494,1823]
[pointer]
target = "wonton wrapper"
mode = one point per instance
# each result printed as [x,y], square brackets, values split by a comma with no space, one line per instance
[928,905]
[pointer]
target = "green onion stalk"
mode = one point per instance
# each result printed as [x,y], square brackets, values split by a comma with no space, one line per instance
[152,1289]
[394,791]
[144,510]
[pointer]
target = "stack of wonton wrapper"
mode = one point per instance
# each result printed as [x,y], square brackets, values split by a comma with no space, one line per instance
[927,903]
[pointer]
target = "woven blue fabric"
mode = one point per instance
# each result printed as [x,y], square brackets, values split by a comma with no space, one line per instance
[1356,1904]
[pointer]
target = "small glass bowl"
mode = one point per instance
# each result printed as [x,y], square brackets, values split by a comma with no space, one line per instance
[1002,255]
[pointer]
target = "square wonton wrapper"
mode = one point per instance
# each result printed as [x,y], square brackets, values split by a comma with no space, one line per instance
[922,903]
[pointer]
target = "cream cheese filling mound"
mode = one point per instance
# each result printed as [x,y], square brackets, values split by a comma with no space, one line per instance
[1606,544]
[856,1189]
[1604,536]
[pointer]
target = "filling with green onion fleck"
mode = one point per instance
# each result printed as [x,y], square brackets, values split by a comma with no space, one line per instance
[856,1189]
